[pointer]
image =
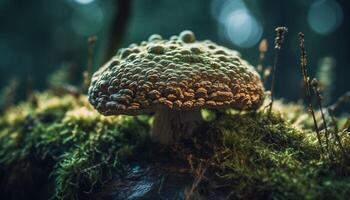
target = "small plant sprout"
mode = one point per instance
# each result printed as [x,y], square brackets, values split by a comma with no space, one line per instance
[315,85]
[263,47]
[347,125]
[345,98]
[265,72]
[8,94]
[303,63]
[280,33]
[91,41]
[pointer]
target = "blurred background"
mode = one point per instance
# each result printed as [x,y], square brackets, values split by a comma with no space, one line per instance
[41,39]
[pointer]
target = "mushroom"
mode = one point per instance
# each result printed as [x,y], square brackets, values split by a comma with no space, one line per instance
[175,78]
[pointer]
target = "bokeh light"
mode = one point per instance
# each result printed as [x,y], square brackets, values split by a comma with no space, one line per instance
[325,16]
[242,29]
[84,1]
[236,23]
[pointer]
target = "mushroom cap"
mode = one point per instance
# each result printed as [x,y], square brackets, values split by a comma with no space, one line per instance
[179,73]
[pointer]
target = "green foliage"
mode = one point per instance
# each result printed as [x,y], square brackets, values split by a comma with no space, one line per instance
[266,157]
[85,146]
[253,155]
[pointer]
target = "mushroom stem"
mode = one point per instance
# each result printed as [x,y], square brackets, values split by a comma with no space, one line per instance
[170,126]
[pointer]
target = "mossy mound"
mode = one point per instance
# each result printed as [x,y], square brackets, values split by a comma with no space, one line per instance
[61,147]
[62,137]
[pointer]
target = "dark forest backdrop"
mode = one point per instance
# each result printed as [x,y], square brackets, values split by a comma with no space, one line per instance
[39,37]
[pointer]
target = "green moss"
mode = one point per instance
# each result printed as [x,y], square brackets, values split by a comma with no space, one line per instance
[266,157]
[79,145]
[252,154]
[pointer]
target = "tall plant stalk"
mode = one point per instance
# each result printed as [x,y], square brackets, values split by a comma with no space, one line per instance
[303,63]
[280,33]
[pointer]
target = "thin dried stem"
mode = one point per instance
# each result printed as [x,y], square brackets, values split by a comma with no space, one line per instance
[280,32]
[343,99]
[88,73]
[334,121]
[316,89]
[91,44]
[199,176]
[336,129]
[303,62]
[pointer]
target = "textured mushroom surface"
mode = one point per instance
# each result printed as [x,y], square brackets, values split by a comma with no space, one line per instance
[179,73]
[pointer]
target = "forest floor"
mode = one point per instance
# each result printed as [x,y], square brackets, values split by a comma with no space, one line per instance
[60,147]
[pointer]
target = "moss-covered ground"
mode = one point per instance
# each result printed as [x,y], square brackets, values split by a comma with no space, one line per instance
[59,147]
